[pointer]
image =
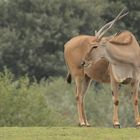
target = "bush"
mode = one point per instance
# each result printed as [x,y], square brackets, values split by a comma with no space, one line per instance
[24,104]
[52,103]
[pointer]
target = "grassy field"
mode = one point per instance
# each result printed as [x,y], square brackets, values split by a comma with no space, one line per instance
[68,133]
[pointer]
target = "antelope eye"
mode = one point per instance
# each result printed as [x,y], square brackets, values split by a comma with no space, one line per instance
[94,47]
[82,63]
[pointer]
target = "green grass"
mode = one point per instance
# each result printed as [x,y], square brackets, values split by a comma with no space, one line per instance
[68,133]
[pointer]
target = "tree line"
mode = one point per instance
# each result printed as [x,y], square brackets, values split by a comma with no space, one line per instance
[33,32]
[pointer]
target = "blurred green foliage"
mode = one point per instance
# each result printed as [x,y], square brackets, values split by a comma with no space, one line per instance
[33,32]
[52,103]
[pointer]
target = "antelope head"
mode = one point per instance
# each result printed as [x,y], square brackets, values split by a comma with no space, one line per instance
[97,49]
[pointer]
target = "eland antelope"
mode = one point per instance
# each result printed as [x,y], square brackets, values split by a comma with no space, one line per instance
[75,51]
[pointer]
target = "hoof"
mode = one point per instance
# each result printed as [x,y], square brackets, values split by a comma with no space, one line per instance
[116,125]
[88,125]
[138,125]
[82,125]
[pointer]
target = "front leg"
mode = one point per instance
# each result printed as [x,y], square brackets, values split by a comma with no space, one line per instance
[115,91]
[116,123]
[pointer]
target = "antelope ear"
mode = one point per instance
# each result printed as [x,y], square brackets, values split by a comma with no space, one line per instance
[92,48]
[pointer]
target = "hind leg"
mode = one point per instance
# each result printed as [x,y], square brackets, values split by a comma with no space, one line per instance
[81,88]
[85,85]
[135,87]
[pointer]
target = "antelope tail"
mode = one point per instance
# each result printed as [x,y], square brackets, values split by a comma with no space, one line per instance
[69,79]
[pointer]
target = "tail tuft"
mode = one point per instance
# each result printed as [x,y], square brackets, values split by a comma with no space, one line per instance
[69,78]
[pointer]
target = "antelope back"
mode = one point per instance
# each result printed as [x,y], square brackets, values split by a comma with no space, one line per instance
[123,38]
